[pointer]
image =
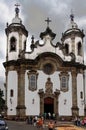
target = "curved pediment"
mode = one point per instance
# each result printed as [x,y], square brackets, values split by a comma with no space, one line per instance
[49,62]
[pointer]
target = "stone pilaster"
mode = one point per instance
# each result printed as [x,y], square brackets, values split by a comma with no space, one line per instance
[84,93]
[56,103]
[73,43]
[41,94]
[6,88]
[21,93]
[75,109]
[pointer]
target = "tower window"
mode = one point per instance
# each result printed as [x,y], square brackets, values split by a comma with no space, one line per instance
[24,45]
[13,44]
[79,49]
[11,93]
[66,49]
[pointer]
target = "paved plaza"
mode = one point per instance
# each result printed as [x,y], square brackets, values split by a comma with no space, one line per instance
[17,125]
[70,127]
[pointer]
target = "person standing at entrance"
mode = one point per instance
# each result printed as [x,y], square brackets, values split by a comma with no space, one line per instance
[51,125]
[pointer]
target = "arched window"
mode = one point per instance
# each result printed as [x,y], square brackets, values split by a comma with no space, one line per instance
[13,44]
[11,93]
[66,49]
[79,47]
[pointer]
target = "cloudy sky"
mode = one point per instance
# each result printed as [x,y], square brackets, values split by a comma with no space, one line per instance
[33,14]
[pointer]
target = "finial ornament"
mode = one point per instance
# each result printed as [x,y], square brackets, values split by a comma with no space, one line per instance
[48,21]
[17,9]
[32,39]
[72,16]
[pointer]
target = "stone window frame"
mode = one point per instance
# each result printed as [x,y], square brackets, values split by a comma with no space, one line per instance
[64,84]
[32,75]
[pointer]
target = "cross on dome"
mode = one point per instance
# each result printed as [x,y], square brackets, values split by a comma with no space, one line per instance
[48,21]
[72,16]
[17,9]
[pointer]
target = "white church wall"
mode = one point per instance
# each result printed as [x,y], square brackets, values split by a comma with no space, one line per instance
[80,89]
[31,108]
[34,109]
[12,84]
[65,100]
[13,55]
[42,79]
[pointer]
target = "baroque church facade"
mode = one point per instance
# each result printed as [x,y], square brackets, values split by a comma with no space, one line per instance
[47,78]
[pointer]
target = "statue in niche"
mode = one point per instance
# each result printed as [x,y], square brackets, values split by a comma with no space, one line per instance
[49,86]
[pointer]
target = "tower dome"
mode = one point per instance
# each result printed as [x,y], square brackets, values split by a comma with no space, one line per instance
[72,23]
[16,19]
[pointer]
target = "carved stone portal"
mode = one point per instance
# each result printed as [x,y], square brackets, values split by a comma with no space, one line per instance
[50,99]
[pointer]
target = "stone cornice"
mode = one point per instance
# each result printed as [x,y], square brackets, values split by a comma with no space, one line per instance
[19,28]
[28,63]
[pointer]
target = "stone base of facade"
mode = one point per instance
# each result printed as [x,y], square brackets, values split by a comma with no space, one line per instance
[21,110]
[75,111]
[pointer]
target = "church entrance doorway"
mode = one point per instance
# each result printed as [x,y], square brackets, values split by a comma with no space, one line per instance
[49,105]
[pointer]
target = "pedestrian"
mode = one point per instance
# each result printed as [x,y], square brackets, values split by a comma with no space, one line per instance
[49,115]
[34,121]
[51,125]
[40,123]
[75,120]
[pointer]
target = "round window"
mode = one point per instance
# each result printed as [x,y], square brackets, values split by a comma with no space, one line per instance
[48,68]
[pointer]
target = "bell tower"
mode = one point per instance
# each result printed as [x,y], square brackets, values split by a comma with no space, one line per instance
[15,74]
[16,36]
[72,39]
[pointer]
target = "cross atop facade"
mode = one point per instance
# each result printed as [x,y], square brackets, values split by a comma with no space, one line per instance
[48,21]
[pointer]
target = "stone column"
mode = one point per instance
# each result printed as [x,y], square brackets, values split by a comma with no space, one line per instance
[84,92]
[6,85]
[21,93]
[56,95]
[75,109]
